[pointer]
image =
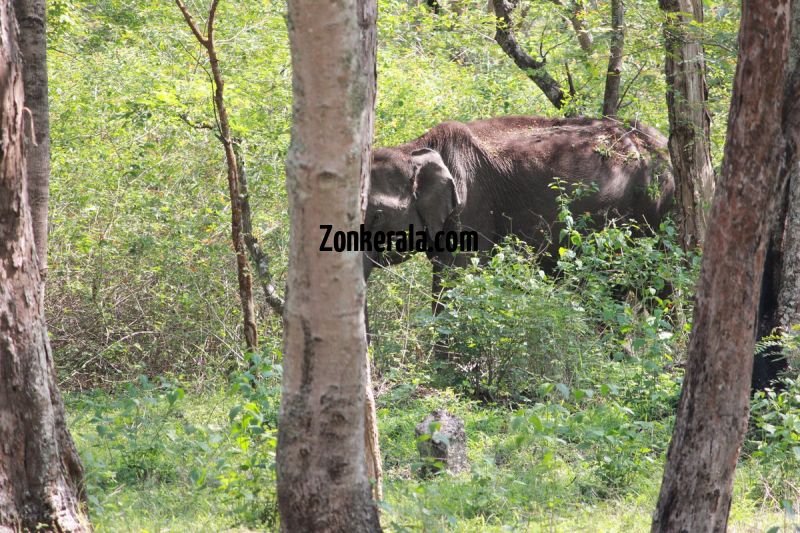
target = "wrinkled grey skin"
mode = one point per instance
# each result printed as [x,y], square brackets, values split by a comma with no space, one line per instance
[493,176]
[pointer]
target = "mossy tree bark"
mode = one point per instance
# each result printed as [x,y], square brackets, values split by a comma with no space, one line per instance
[689,121]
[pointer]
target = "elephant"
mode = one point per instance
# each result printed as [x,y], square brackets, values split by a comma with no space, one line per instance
[494,177]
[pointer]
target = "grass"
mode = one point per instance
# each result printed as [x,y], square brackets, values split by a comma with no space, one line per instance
[519,481]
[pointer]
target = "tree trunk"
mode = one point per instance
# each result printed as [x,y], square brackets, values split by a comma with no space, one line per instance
[614,74]
[237,235]
[788,314]
[323,482]
[32,44]
[575,14]
[780,288]
[258,258]
[714,406]
[40,471]
[789,294]
[689,122]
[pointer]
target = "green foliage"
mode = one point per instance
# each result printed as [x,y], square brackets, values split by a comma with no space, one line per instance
[142,280]
[148,435]
[507,327]
[774,440]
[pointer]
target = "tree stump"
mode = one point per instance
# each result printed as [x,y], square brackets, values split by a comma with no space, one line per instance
[442,443]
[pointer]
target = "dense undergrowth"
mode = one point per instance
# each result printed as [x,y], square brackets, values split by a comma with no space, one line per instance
[576,429]
[567,382]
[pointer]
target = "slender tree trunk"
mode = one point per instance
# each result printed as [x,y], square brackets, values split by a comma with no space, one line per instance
[237,235]
[40,471]
[257,256]
[614,75]
[575,14]
[714,406]
[689,121]
[323,482]
[32,44]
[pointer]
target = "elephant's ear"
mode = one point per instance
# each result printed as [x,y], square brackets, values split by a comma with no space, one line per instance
[435,191]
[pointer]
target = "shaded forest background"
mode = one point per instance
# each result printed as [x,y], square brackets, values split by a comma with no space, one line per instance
[141,278]
[568,386]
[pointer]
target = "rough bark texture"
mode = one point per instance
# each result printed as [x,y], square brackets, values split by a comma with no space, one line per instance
[32,44]
[614,74]
[237,235]
[778,307]
[533,68]
[323,482]
[788,314]
[714,406]
[689,121]
[40,472]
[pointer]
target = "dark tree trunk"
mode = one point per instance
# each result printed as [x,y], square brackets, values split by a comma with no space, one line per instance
[689,122]
[533,68]
[323,477]
[32,44]
[714,406]
[779,307]
[614,75]
[40,471]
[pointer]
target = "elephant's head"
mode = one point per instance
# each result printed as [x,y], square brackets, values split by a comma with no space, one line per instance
[407,188]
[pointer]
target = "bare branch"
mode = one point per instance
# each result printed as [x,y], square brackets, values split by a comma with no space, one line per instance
[212,13]
[630,84]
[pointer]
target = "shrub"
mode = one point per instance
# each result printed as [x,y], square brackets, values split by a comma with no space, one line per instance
[508,327]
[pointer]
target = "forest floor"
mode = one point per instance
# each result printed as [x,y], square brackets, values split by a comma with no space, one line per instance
[160,459]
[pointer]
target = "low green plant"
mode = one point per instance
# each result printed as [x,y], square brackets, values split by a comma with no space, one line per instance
[507,327]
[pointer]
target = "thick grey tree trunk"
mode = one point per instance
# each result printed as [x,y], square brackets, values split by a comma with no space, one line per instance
[689,121]
[715,401]
[33,45]
[40,472]
[323,477]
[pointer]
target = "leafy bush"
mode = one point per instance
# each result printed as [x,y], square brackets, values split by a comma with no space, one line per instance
[146,434]
[774,439]
[507,327]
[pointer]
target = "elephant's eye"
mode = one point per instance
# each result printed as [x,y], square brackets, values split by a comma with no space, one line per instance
[378,215]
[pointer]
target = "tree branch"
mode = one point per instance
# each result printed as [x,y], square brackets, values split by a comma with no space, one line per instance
[257,255]
[574,11]
[190,22]
[534,69]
